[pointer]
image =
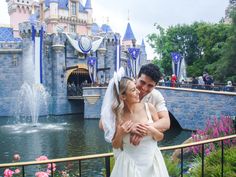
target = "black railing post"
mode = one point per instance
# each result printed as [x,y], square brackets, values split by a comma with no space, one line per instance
[203,153]
[107,163]
[182,162]
[52,169]
[80,168]
[222,158]
[23,171]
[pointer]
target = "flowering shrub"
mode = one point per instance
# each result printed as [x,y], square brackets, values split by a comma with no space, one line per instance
[44,172]
[218,128]
[10,172]
[48,169]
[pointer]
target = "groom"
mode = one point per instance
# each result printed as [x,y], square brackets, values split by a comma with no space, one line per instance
[148,77]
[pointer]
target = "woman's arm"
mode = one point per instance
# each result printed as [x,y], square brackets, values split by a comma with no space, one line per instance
[121,130]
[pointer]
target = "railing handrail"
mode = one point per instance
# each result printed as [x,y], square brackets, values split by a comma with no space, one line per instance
[197,143]
[93,156]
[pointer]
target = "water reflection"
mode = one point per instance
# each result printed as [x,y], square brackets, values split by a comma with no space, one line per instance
[62,136]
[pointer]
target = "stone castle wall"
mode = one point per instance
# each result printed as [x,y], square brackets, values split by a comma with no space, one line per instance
[191,108]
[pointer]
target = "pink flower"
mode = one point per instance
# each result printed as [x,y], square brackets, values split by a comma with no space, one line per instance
[41,174]
[8,172]
[16,157]
[17,171]
[207,151]
[64,174]
[53,166]
[41,158]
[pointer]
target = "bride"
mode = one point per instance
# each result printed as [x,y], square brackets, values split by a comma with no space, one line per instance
[121,111]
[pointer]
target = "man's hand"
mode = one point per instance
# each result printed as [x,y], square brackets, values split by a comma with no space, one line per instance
[135,139]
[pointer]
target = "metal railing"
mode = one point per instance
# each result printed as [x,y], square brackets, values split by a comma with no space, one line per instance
[107,157]
[215,87]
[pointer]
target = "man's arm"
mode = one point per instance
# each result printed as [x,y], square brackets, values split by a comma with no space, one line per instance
[163,123]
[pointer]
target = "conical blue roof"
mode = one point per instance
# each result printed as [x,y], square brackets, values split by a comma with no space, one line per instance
[143,44]
[106,28]
[143,47]
[95,28]
[129,35]
[6,34]
[62,4]
[81,8]
[88,4]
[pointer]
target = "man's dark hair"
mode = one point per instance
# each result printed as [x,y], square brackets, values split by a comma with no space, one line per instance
[151,71]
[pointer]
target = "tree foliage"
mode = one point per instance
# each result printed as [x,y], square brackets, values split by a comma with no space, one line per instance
[205,47]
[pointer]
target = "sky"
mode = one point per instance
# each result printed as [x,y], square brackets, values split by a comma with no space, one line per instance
[142,14]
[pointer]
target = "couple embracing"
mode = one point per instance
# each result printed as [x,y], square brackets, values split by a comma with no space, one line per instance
[134,117]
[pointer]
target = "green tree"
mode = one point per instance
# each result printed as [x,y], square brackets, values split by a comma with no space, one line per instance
[204,46]
[225,66]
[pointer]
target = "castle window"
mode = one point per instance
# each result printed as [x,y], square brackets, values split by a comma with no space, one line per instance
[72,28]
[73,8]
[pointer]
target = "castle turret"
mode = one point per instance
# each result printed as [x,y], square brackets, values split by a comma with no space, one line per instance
[20,11]
[143,53]
[88,8]
[53,15]
[129,39]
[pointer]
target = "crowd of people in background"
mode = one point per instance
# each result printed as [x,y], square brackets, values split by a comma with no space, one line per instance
[205,82]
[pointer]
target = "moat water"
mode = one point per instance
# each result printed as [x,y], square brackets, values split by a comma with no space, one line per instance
[63,136]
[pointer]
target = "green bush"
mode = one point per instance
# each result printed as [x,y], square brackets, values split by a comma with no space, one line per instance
[172,166]
[212,164]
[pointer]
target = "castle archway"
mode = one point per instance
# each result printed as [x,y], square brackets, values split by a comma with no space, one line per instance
[76,79]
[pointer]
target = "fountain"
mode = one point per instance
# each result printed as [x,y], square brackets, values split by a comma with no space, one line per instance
[29,101]
[32,97]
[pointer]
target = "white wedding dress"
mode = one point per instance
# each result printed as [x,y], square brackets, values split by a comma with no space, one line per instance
[143,160]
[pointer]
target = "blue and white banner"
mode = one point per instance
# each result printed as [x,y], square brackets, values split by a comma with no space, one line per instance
[134,52]
[91,62]
[176,60]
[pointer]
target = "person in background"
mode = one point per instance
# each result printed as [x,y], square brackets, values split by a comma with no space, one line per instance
[229,87]
[194,83]
[201,83]
[173,80]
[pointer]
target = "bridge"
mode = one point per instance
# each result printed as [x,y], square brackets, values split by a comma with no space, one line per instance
[189,107]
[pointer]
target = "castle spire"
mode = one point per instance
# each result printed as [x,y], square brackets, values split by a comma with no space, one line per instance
[143,48]
[129,35]
[88,4]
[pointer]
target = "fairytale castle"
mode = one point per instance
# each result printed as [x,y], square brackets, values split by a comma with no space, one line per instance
[66,47]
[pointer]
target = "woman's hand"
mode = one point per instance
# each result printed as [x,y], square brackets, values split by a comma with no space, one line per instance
[139,129]
[121,130]
[125,127]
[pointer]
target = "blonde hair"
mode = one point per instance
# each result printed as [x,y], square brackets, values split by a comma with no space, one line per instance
[118,104]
